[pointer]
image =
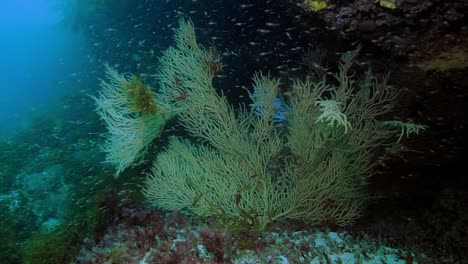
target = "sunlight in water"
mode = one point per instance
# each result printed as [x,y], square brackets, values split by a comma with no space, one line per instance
[27,12]
[36,53]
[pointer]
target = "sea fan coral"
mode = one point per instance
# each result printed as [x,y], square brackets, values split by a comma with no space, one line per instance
[133,120]
[247,170]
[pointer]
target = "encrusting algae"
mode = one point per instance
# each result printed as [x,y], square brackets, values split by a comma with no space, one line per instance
[139,95]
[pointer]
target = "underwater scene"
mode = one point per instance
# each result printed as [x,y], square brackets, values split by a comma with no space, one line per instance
[233,131]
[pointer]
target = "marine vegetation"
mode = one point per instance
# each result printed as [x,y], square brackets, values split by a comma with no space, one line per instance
[454,59]
[61,245]
[245,169]
[9,251]
[139,96]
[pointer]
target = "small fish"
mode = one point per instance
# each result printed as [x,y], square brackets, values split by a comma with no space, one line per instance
[246,6]
[263,31]
[296,48]
[279,67]
[265,53]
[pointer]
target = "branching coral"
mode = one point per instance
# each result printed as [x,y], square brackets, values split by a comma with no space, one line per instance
[405,128]
[331,114]
[133,120]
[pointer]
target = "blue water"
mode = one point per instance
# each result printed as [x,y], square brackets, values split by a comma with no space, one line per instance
[37,55]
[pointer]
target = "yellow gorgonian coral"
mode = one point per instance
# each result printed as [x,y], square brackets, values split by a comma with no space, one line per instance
[391,4]
[317,5]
